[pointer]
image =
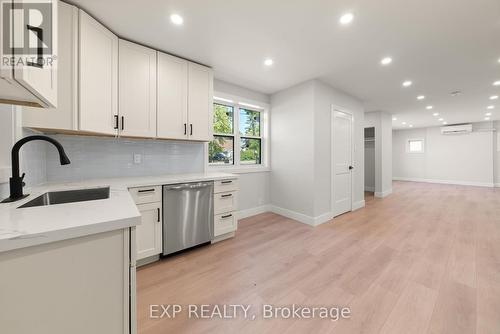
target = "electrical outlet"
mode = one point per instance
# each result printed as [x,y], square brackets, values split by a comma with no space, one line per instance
[137,159]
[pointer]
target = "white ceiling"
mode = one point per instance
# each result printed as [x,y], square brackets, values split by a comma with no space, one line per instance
[441,45]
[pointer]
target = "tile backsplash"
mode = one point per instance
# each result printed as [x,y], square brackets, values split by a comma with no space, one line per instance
[96,157]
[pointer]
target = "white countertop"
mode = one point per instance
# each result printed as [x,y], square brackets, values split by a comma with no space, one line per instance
[32,226]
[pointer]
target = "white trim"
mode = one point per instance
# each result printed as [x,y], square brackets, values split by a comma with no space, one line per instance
[382,194]
[253,211]
[358,205]
[455,182]
[302,218]
[371,189]
[335,108]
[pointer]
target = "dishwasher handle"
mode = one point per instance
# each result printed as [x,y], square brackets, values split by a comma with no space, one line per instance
[189,186]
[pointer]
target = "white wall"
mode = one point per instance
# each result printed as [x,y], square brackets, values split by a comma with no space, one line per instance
[301,150]
[496,150]
[458,159]
[254,195]
[382,122]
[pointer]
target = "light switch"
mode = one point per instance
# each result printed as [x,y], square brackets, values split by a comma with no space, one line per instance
[137,159]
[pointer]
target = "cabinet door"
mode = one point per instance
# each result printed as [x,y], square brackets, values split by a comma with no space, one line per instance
[172,97]
[98,76]
[65,116]
[40,78]
[137,90]
[148,234]
[200,97]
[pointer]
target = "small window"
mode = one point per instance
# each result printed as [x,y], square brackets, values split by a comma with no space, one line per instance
[415,146]
[221,149]
[250,138]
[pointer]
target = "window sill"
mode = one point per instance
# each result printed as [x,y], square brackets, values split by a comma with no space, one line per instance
[239,169]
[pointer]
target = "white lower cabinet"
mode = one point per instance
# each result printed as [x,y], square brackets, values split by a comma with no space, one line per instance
[225,208]
[148,234]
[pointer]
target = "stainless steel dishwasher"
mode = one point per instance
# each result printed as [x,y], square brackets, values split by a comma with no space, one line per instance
[188,215]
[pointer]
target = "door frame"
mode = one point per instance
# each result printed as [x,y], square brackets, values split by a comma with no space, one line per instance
[334,109]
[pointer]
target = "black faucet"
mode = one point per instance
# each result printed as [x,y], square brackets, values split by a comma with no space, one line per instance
[16,181]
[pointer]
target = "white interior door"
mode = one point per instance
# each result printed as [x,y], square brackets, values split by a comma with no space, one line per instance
[342,152]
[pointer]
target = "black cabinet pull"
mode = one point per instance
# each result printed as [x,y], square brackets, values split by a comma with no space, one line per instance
[191,129]
[116,122]
[226,216]
[226,195]
[226,182]
[39,48]
[158,214]
[123,122]
[145,190]
[185,129]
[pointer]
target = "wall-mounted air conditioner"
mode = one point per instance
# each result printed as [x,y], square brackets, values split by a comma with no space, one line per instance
[456,129]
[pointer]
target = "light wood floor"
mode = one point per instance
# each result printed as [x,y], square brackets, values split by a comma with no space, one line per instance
[423,260]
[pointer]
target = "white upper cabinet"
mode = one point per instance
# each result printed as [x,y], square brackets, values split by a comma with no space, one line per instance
[65,116]
[172,97]
[137,90]
[30,82]
[98,77]
[200,100]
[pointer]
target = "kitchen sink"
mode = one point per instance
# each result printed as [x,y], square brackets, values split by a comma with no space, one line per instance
[68,196]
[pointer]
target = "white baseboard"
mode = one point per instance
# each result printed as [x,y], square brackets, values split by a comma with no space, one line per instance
[253,211]
[358,205]
[302,218]
[371,189]
[382,194]
[455,182]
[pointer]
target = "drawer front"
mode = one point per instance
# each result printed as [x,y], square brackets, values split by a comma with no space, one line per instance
[143,195]
[224,223]
[225,202]
[221,186]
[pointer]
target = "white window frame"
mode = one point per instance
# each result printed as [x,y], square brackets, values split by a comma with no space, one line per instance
[415,139]
[236,103]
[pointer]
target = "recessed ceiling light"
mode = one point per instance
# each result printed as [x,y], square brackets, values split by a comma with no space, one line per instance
[386,61]
[346,18]
[420,97]
[268,62]
[429,107]
[440,119]
[411,126]
[496,83]
[435,114]
[486,118]
[444,123]
[488,114]
[176,19]
[394,119]
[404,123]
[494,97]
[407,83]
[490,107]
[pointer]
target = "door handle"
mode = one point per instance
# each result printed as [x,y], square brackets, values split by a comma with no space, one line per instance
[191,129]
[123,123]
[226,195]
[145,190]
[116,122]
[185,129]
[158,214]
[351,167]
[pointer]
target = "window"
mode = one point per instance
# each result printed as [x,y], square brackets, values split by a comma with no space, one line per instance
[415,146]
[238,135]
[221,149]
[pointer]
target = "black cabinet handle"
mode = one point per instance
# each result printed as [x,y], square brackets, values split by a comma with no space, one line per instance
[145,190]
[185,129]
[191,129]
[350,167]
[226,195]
[226,182]
[39,48]
[123,122]
[116,122]
[226,216]
[158,214]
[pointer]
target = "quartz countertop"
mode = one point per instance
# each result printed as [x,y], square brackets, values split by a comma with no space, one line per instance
[32,226]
